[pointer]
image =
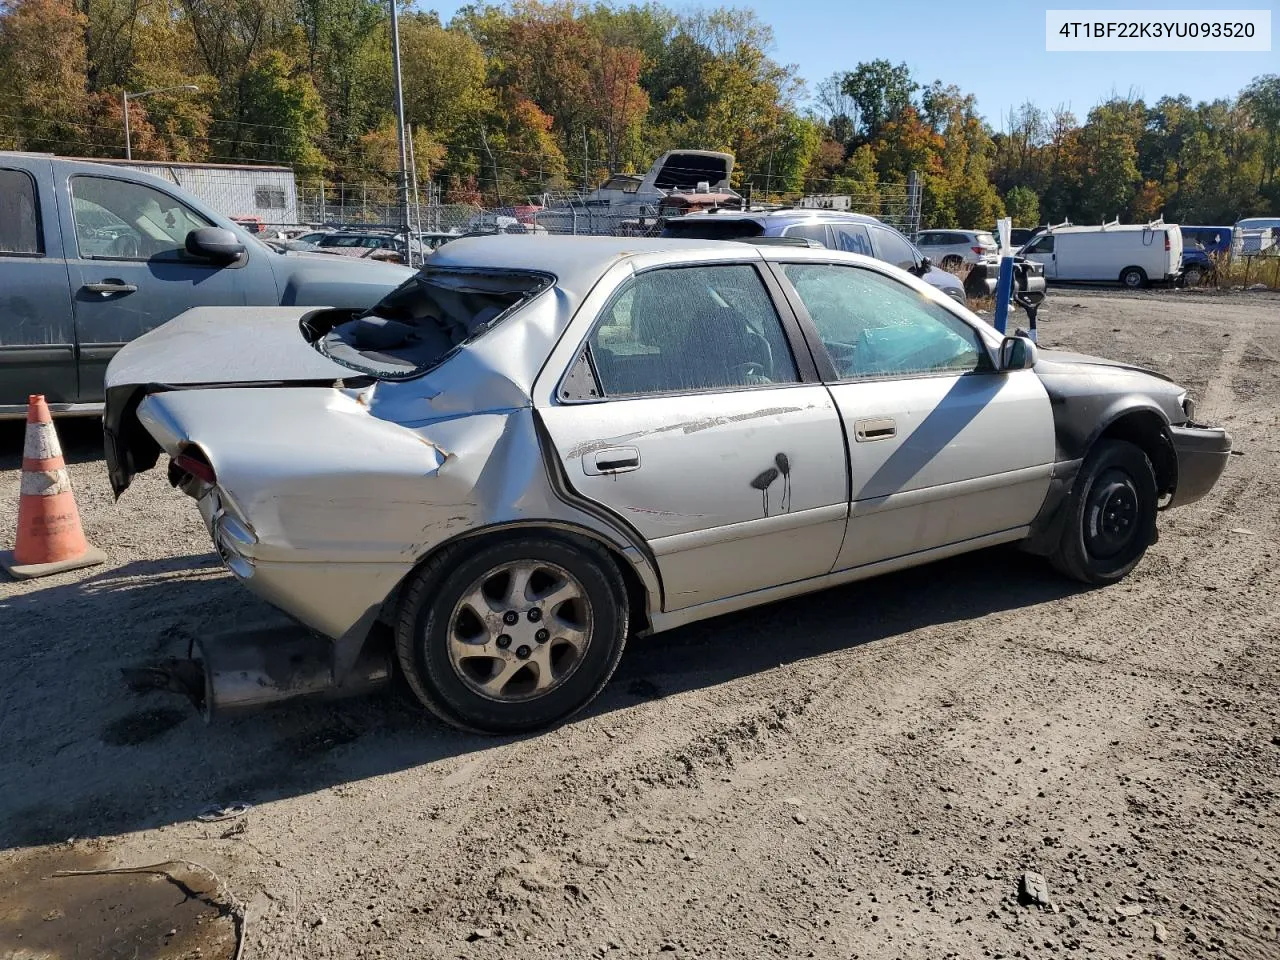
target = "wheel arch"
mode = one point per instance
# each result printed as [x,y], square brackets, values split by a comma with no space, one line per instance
[639,577]
[1146,428]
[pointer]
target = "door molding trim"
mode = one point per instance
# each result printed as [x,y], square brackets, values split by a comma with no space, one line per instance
[945,491]
[747,529]
[714,608]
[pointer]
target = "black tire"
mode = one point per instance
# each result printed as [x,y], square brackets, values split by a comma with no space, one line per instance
[1110,514]
[428,613]
[1193,277]
[1133,277]
[952,262]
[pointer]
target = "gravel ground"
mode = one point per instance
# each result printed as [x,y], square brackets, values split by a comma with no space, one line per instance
[866,772]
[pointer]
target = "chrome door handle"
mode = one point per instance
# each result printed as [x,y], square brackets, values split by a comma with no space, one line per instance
[612,460]
[879,429]
[107,287]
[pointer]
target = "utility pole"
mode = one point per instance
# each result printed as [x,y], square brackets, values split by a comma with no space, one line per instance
[125,97]
[404,153]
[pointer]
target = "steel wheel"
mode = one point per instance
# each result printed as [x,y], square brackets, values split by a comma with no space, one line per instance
[520,630]
[1111,514]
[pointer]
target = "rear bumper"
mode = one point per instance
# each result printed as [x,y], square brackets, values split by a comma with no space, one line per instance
[332,598]
[1202,456]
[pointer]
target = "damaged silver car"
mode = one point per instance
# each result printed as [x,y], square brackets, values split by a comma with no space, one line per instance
[539,447]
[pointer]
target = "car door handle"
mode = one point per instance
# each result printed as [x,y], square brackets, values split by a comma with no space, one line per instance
[612,460]
[110,286]
[879,429]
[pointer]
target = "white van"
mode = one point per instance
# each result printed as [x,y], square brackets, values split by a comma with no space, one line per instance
[1134,254]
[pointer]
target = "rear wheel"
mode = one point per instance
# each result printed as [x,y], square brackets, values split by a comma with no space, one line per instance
[1133,277]
[1111,514]
[514,635]
[1193,277]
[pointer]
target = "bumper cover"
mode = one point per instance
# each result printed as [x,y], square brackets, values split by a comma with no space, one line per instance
[1202,456]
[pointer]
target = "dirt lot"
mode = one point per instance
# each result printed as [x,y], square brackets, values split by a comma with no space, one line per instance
[862,773]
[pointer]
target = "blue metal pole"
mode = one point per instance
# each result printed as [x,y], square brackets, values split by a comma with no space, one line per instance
[1004,290]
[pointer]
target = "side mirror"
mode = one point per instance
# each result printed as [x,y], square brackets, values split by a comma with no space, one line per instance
[923,267]
[214,243]
[1017,353]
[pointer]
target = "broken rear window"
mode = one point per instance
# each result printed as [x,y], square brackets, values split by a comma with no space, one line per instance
[422,322]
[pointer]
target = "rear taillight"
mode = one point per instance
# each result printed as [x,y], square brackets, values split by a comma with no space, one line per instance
[195,464]
[1167,246]
[979,250]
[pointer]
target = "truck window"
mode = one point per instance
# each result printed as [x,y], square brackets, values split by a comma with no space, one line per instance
[1043,245]
[121,220]
[19,216]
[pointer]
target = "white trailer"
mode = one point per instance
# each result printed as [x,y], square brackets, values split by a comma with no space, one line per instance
[238,191]
[1132,254]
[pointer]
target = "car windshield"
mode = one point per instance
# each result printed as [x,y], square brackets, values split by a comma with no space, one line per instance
[423,321]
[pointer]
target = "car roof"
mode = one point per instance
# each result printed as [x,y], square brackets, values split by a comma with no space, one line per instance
[786,213]
[576,262]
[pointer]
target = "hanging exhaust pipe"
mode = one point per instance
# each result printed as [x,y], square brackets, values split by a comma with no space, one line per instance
[248,669]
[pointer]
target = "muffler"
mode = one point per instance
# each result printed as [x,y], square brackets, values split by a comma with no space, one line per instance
[248,669]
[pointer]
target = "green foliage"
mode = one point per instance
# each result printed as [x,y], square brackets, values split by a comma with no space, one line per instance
[513,98]
[1023,206]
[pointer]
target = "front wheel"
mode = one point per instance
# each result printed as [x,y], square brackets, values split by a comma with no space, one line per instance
[514,635]
[1111,514]
[952,263]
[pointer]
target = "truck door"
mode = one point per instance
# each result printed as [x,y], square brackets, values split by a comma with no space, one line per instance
[129,268]
[1042,251]
[37,334]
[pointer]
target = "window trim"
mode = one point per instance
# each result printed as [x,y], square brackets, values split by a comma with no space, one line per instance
[826,366]
[41,253]
[807,372]
[182,258]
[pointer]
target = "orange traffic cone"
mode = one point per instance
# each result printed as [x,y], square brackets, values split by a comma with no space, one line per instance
[50,539]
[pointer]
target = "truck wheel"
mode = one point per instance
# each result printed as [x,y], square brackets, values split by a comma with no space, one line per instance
[1193,277]
[1133,277]
[1111,514]
[512,636]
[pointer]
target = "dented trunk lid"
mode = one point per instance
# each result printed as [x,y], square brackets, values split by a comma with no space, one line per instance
[208,347]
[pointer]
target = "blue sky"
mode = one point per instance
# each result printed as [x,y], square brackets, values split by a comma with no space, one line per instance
[993,49]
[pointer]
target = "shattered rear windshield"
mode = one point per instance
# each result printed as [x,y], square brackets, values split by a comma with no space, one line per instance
[423,321]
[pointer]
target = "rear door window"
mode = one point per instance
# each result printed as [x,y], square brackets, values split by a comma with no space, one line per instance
[19,215]
[817,232]
[426,319]
[853,238]
[687,329]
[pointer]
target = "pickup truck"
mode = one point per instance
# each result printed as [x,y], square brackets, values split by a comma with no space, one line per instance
[93,256]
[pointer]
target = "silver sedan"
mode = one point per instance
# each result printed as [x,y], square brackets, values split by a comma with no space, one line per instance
[540,446]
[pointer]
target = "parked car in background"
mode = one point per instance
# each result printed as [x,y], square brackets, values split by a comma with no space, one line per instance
[836,230]
[950,248]
[92,256]
[1132,254]
[1255,235]
[1215,241]
[358,244]
[1198,266]
[531,451]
